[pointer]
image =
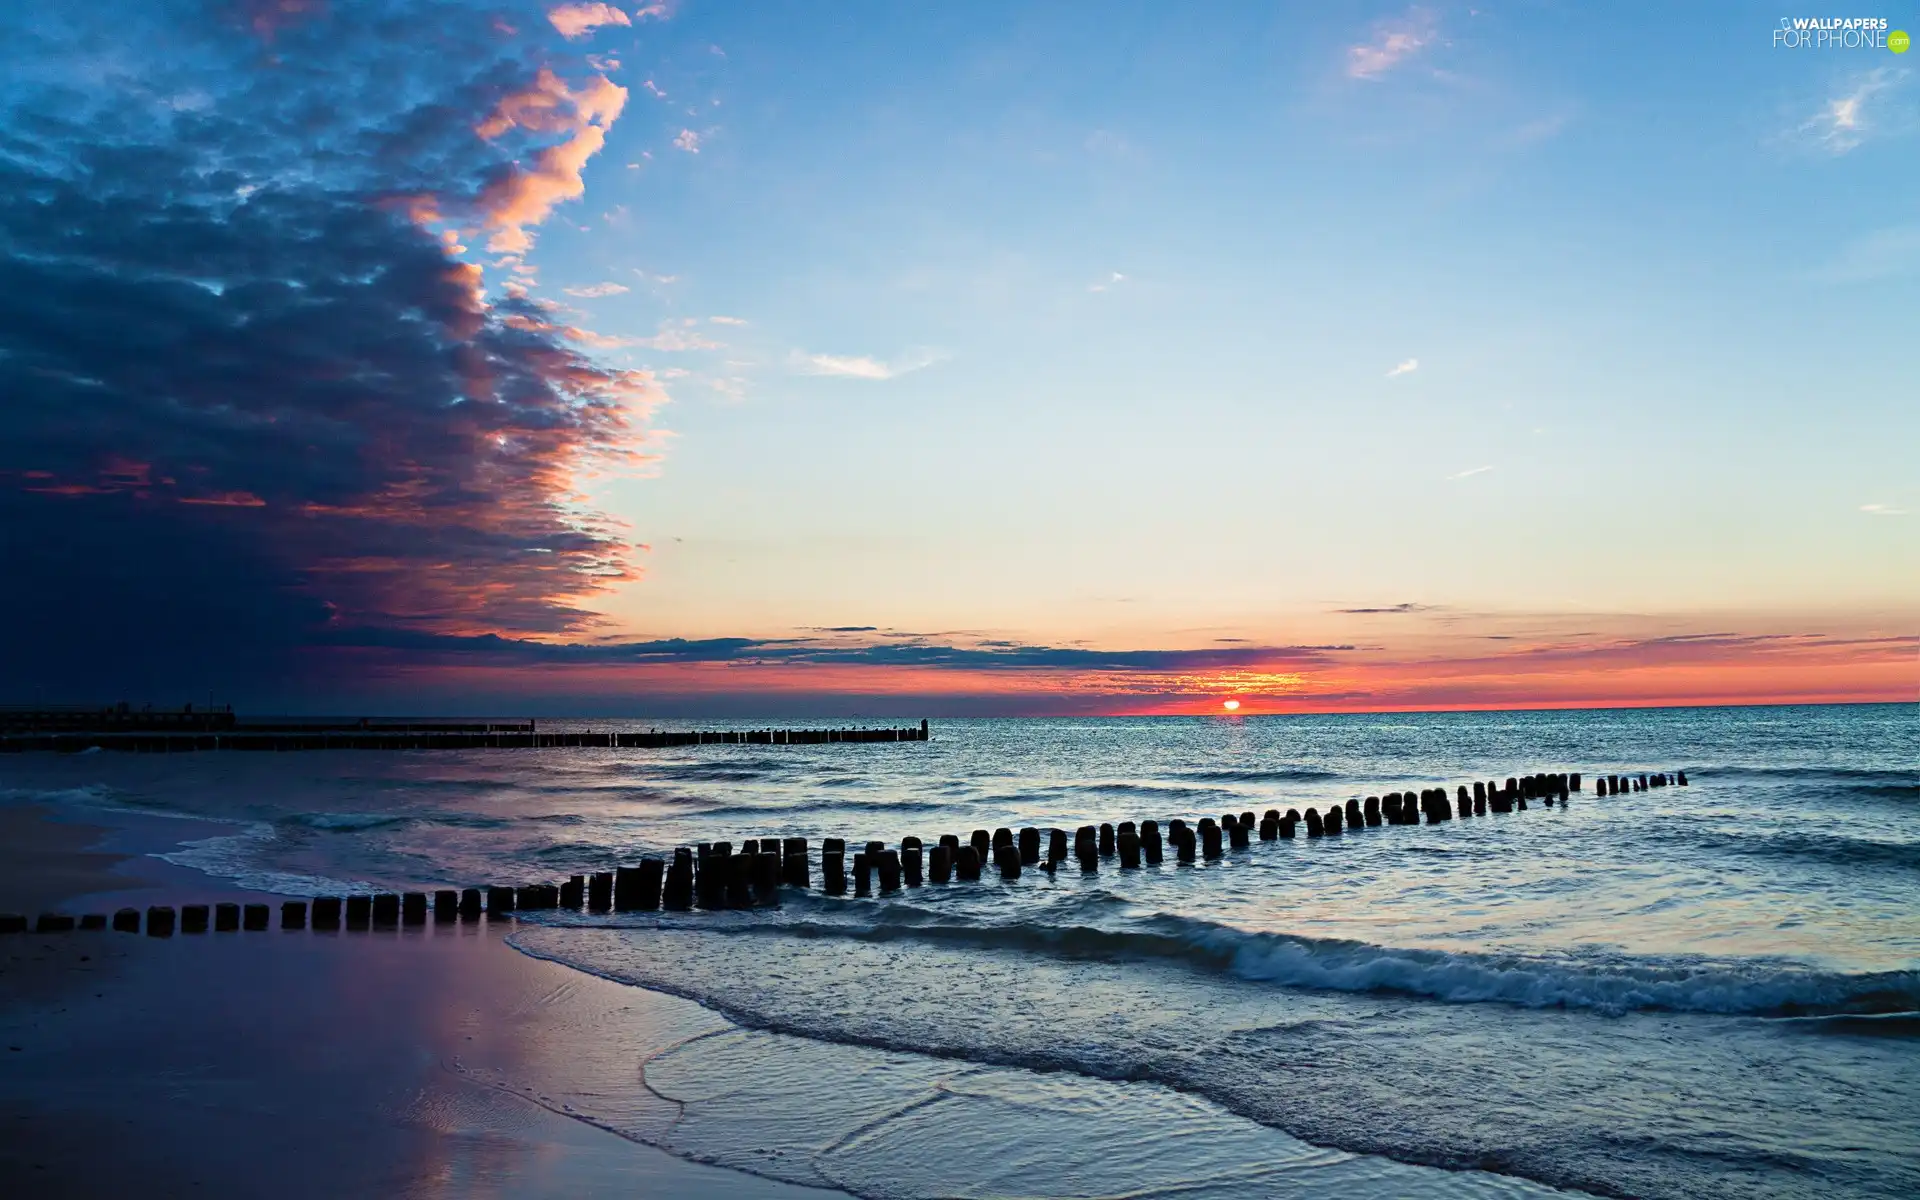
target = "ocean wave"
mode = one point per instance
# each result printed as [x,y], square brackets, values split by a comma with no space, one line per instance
[845,807]
[1859,782]
[1838,849]
[1878,1025]
[1287,960]
[330,822]
[1154,790]
[351,822]
[1277,775]
[86,793]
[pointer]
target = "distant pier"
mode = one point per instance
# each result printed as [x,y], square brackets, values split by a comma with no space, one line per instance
[176,731]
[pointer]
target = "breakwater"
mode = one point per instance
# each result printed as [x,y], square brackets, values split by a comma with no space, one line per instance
[714,875]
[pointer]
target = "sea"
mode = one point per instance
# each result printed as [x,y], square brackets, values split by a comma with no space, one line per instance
[1700,991]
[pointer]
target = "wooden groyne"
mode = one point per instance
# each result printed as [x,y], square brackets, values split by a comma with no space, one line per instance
[368,736]
[712,875]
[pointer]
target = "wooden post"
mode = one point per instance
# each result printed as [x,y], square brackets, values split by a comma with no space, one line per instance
[470,907]
[1209,838]
[1354,818]
[573,893]
[293,914]
[1029,846]
[253,917]
[1314,826]
[1333,822]
[1056,845]
[193,918]
[940,862]
[413,908]
[1007,857]
[1150,842]
[677,893]
[1129,846]
[863,875]
[910,861]
[499,903]
[833,868]
[982,846]
[326,912]
[1106,840]
[766,875]
[966,864]
[159,920]
[741,869]
[226,917]
[127,920]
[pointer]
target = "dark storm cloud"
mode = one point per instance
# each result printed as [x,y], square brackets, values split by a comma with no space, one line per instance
[246,399]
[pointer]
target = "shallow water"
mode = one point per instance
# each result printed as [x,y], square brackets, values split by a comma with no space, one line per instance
[1701,991]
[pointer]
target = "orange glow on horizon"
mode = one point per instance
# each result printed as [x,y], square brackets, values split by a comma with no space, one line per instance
[1620,673]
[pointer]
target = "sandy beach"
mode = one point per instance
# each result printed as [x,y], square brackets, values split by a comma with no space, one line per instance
[303,1064]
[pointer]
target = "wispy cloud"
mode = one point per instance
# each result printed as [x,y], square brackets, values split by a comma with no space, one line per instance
[1391,608]
[1468,473]
[1845,121]
[1879,254]
[728,320]
[860,366]
[578,20]
[596,291]
[1113,280]
[1394,41]
[681,336]
[1883,510]
[1405,368]
[1538,130]
[660,10]
[687,140]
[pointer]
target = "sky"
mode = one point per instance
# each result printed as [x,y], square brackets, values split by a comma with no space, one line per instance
[879,359]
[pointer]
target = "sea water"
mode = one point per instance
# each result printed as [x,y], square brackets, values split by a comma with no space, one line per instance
[1701,991]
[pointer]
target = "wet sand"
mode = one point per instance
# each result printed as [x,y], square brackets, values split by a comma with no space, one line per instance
[309,1064]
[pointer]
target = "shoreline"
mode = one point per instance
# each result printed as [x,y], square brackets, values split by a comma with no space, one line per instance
[240,1064]
[443,1053]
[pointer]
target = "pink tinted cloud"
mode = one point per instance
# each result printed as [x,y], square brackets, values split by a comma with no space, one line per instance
[527,193]
[1393,42]
[578,20]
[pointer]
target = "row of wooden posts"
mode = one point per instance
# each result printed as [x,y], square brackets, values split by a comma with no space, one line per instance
[713,876]
[426,739]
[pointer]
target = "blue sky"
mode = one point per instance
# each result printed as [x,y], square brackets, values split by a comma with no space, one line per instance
[1647,277]
[1105,328]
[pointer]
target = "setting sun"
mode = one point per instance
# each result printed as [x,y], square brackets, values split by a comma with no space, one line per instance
[1230,705]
